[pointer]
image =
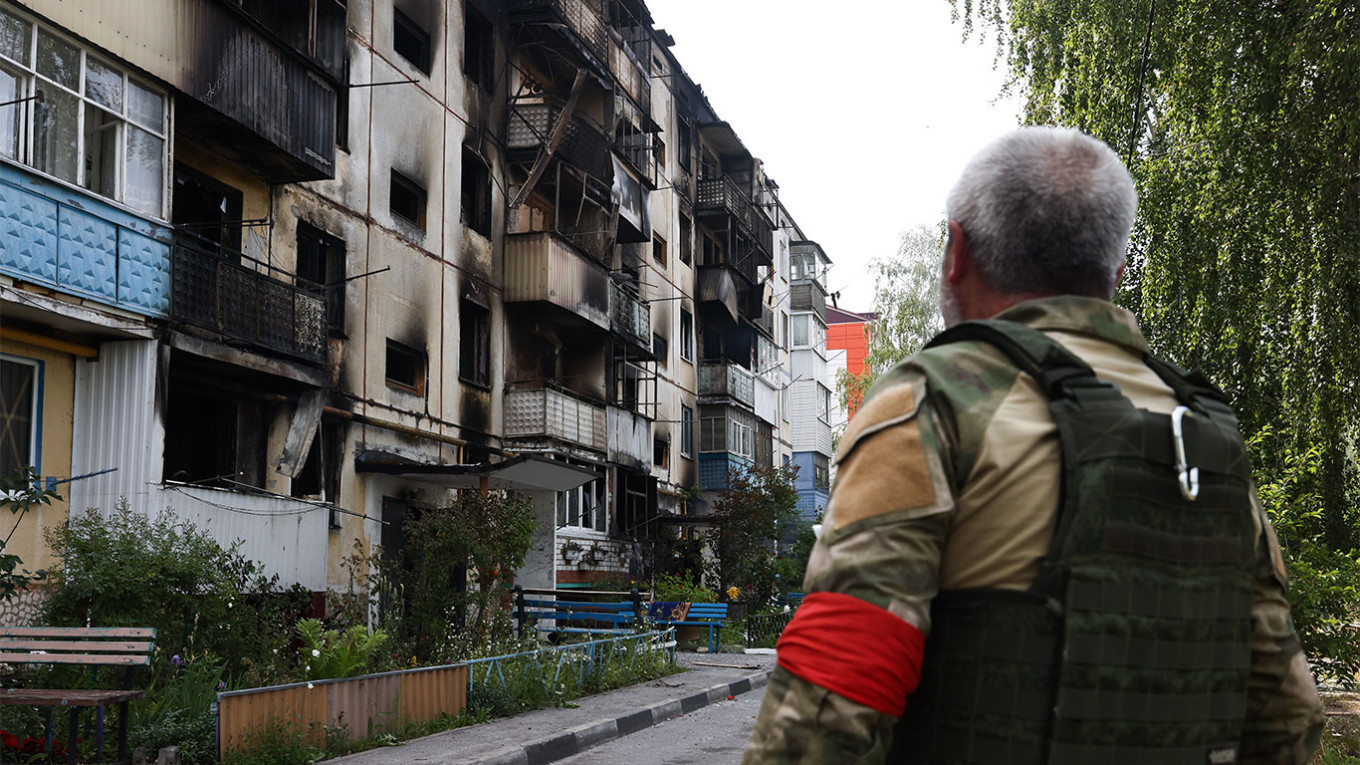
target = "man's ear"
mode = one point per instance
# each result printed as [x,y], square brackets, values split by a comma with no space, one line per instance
[958,256]
[1119,274]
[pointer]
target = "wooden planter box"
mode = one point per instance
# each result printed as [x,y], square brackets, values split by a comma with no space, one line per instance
[367,704]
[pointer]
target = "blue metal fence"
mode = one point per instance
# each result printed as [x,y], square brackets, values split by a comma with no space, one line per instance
[576,660]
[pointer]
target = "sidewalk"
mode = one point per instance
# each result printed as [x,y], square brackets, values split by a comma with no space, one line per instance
[550,734]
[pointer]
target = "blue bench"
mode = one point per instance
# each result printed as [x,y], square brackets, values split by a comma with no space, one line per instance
[709,615]
[581,617]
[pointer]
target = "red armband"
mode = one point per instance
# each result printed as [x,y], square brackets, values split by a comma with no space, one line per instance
[855,649]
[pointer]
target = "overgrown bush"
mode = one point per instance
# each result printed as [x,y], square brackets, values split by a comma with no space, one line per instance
[19,492]
[1324,583]
[448,595]
[176,710]
[673,588]
[329,654]
[129,570]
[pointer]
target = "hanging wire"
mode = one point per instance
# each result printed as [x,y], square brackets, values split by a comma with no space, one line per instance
[1142,74]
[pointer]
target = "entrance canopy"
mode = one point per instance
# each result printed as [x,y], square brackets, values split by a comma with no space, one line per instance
[527,472]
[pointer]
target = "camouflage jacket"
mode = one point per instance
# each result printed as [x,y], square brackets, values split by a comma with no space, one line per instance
[943,490]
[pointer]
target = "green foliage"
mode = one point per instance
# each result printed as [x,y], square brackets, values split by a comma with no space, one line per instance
[1244,143]
[176,709]
[907,301]
[128,570]
[18,493]
[328,654]
[747,516]
[448,592]
[673,588]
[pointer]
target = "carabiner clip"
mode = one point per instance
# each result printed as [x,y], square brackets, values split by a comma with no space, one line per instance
[1189,477]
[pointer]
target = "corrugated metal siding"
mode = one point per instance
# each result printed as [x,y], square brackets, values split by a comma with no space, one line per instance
[286,536]
[117,426]
[541,268]
[367,705]
[630,439]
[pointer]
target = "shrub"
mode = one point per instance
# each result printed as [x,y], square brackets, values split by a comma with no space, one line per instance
[328,654]
[672,588]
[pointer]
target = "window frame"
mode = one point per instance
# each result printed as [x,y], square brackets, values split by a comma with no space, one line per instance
[420,364]
[686,335]
[29,80]
[407,184]
[35,409]
[686,432]
[401,23]
[331,250]
[659,253]
[480,317]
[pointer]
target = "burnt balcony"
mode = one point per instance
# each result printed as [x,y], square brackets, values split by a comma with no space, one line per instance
[583,145]
[629,317]
[582,26]
[543,267]
[235,296]
[723,195]
[630,438]
[550,414]
[762,319]
[260,85]
[725,379]
[807,295]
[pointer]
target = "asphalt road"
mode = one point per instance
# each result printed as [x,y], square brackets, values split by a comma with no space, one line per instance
[713,735]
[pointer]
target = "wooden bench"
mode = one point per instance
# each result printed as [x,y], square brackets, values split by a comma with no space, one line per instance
[128,647]
[710,615]
[580,617]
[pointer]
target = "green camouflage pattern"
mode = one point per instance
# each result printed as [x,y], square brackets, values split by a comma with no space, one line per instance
[889,554]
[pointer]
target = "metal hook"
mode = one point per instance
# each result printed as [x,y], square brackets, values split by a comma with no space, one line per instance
[1189,477]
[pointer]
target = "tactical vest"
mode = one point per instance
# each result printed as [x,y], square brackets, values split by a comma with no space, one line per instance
[1132,646]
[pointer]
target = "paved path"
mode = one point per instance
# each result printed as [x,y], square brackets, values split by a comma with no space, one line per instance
[547,735]
[714,735]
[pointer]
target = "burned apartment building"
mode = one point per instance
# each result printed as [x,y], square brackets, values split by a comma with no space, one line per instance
[295,270]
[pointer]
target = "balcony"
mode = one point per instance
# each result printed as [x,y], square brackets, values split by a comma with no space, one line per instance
[544,267]
[267,105]
[808,296]
[552,414]
[583,144]
[630,439]
[224,291]
[724,379]
[53,235]
[630,317]
[586,28]
[723,195]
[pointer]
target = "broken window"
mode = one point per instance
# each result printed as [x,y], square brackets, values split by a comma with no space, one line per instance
[583,507]
[659,249]
[342,110]
[686,239]
[207,212]
[20,386]
[410,41]
[479,48]
[89,123]
[661,452]
[405,368]
[475,200]
[474,355]
[321,263]
[660,349]
[407,200]
[686,335]
[821,471]
[213,436]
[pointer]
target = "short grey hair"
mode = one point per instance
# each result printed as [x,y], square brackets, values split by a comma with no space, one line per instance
[1046,210]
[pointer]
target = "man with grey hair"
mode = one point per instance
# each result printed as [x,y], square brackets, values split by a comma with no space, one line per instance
[1043,545]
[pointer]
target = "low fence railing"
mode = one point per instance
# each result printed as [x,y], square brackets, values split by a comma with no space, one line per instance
[577,661]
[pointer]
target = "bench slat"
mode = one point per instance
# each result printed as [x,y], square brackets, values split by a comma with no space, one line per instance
[76,658]
[43,697]
[576,606]
[10,644]
[97,633]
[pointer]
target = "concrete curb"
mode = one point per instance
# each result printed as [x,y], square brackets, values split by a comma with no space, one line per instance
[575,740]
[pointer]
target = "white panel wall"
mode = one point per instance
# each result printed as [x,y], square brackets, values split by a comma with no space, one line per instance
[116,426]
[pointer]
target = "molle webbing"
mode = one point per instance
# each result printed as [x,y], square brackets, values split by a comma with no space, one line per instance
[1142,604]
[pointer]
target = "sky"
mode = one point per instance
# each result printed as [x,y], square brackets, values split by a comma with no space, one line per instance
[864,116]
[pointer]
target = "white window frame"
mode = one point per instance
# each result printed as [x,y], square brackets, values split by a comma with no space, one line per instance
[573,501]
[686,432]
[686,336]
[30,81]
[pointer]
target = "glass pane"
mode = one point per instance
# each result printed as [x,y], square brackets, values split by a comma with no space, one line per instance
[55,134]
[11,88]
[145,171]
[104,84]
[58,60]
[14,37]
[16,416]
[101,151]
[561,509]
[146,107]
